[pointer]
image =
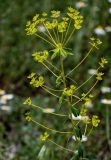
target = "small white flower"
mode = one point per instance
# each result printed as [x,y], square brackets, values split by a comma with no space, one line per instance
[99,31]
[110,10]
[92,71]
[105,89]
[105,101]
[84,138]
[109,1]
[41,29]
[108,29]
[7,97]
[48,110]
[80,5]
[5,108]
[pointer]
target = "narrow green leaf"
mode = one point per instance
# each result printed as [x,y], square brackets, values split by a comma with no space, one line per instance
[80,151]
[75,111]
[78,132]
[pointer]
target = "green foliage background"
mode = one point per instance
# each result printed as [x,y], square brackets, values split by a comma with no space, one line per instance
[16,63]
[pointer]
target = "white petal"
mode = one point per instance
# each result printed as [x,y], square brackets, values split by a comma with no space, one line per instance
[105,89]
[48,110]
[7,97]
[105,101]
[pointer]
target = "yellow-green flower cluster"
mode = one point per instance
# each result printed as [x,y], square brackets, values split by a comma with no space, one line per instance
[51,25]
[103,62]
[78,19]
[36,81]
[99,76]
[87,99]
[28,117]
[95,42]
[40,56]
[69,91]
[31,75]
[62,26]
[55,14]
[31,27]
[95,121]
[28,101]
[83,111]
[44,137]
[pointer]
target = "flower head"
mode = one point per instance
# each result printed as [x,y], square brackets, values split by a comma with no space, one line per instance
[40,56]
[99,76]
[69,91]
[31,27]
[74,14]
[55,14]
[95,121]
[103,62]
[31,75]
[95,42]
[28,117]
[44,137]
[37,82]
[27,101]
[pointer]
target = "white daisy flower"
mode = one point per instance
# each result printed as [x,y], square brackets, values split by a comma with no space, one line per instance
[106,101]
[7,97]
[92,71]
[5,108]
[110,10]
[80,5]
[99,31]
[105,89]
[108,29]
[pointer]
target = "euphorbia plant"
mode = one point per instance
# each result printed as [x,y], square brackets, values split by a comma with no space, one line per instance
[58,29]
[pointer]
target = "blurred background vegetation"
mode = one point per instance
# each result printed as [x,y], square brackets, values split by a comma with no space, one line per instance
[19,140]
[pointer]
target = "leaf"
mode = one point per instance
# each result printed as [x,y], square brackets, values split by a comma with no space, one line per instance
[75,111]
[78,132]
[55,53]
[80,151]
[58,80]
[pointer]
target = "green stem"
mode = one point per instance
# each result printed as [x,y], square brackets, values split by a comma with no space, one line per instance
[49,34]
[50,92]
[53,130]
[67,31]
[85,81]
[80,62]
[55,90]
[69,37]
[45,40]
[63,75]
[86,93]
[61,147]
[50,70]
[85,129]
[56,114]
